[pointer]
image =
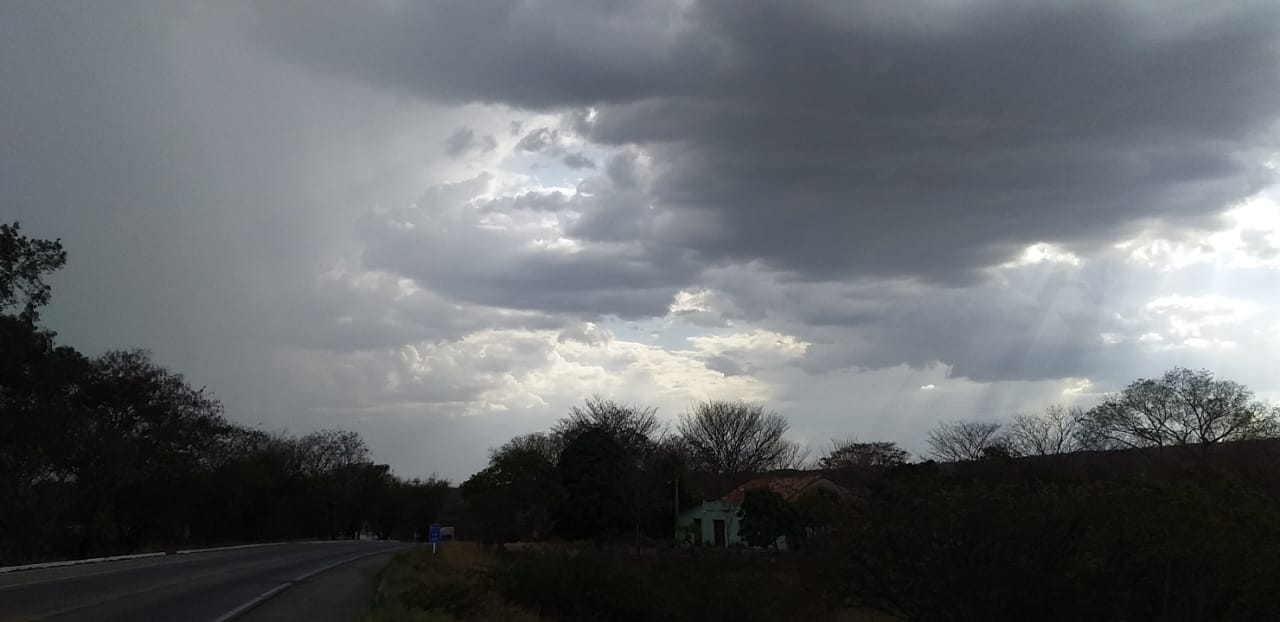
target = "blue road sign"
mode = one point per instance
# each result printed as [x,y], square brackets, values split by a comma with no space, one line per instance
[433,536]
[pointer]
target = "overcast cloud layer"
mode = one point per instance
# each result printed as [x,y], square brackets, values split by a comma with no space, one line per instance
[441,224]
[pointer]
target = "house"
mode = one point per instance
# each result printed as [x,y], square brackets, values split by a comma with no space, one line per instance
[717,522]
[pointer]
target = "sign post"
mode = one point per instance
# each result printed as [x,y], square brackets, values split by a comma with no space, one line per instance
[434,536]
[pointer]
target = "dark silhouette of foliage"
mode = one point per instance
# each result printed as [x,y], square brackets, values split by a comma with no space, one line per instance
[1183,407]
[732,437]
[1160,542]
[594,468]
[1055,431]
[116,453]
[858,454]
[515,497]
[24,262]
[958,441]
[766,516]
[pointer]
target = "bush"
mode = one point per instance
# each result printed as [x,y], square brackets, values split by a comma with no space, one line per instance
[582,586]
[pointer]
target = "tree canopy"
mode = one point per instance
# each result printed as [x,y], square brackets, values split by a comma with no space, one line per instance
[116,453]
[24,263]
[858,454]
[958,441]
[1182,407]
[732,437]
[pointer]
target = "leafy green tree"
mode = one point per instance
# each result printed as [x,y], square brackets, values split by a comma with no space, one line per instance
[766,516]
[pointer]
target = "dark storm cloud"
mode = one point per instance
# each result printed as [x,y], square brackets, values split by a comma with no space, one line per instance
[542,140]
[577,161]
[449,241]
[464,140]
[200,189]
[872,139]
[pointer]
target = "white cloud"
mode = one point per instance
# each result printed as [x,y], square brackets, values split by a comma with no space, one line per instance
[1249,238]
[1189,316]
[1043,252]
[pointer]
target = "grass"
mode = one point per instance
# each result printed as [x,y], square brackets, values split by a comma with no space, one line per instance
[457,584]
[464,583]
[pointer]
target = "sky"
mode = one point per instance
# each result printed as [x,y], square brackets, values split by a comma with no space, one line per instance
[442,224]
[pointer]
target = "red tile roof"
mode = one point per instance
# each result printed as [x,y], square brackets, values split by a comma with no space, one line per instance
[787,487]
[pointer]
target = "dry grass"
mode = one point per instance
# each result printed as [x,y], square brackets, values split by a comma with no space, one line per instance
[455,584]
[464,582]
[463,555]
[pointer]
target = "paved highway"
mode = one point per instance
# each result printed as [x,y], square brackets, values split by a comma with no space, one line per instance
[212,586]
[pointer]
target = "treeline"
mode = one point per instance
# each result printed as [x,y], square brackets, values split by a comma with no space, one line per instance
[1160,503]
[1183,408]
[612,471]
[1172,533]
[114,453]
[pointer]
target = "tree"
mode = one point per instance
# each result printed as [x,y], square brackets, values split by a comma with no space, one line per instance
[24,262]
[960,441]
[766,516]
[515,497]
[795,456]
[117,453]
[735,437]
[141,448]
[1181,408]
[852,453]
[544,444]
[631,425]
[39,411]
[326,451]
[419,502]
[594,470]
[1056,431]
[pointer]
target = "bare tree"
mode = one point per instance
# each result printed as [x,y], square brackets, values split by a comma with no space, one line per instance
[959,441]
[1056,431]
[854,453]
[736,437]
[1181,408]
[325,451]
[632,425]
[796,456]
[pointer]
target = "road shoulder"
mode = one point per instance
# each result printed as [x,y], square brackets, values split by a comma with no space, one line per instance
[342,594]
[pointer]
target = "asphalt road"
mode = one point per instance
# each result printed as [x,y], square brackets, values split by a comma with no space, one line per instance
[212,586]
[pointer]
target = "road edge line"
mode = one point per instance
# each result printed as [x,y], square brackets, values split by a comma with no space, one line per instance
[78,562]
[120,558]
[275,591]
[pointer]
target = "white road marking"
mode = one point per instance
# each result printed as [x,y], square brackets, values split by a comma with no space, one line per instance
[267,595]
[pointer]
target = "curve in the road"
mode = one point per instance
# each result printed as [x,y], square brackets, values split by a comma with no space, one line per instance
[214,586]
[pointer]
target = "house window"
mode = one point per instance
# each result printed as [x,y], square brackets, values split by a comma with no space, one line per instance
[697,532]
[718,526]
